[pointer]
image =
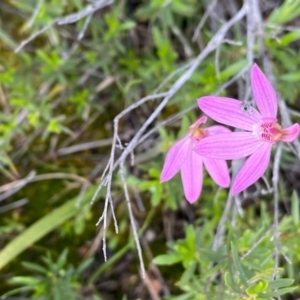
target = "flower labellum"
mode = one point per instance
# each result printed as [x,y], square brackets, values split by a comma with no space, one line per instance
[262,130]
[182,157]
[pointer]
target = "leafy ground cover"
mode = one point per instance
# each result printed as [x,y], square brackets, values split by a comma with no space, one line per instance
[106,87]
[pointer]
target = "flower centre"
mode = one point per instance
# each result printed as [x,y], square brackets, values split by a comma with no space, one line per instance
[198,134]
[269,130]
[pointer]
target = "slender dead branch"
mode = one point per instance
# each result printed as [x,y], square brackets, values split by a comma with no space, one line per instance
[107,175]
[11,188]
[275,181]
[72,18]
[208,11]
[132,221]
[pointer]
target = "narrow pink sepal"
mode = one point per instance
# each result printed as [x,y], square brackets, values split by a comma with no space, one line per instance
[263,93]
[217,129]
[253,168]
[201,120]
[192,176]
[228,111]
[228,145]
[218,171]
[175,158]
[290,133]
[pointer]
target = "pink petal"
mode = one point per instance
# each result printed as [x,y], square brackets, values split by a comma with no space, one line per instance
[290,133]
[201,120]
[175,158]
[192,176]
[253,168]
[228,145]
[263,93]
[217,129]
[218,171]
[228,111]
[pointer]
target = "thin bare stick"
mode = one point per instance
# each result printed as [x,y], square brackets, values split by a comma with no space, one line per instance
[250,43]
[13,205]
[212,45]
[168,78]
[88,10]
[35,13]
[132,220]
[182,113]
[294,112]
[275,181]
[208,11]
[221,226]
[256,243]
[167,121]
[33,36]
[84,27]
[188,51]
[11,188]
[217,59]
[110,165]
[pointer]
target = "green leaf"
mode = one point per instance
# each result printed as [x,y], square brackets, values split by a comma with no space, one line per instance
[233,69]
[279,283]
[238,265]
[291,77]
[288,38]
[42,227]
[6,38]
[258,288]
[54,126]
[25,280]
[167,259]
[62,259]
[157,37]
[127,25]
[229,281]
[156,194]
[279,292]
[191,237]
[34,267]
[18,290]
[295,208]
[182,8]
[288,11]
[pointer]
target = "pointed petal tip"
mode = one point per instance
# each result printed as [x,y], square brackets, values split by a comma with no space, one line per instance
[218,171]
[290,133]
[191,200]
[163,178]
[225,184]
[175,158]
[201,120]
[263,92]
[253,169]
[192,176]
[255,67]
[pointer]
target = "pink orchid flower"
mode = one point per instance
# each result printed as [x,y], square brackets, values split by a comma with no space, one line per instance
[262,130]
[181,156]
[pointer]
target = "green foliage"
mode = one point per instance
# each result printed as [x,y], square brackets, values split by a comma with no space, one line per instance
[64,88]
[288,11]
[237,270]
[53,279]
[43,226]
